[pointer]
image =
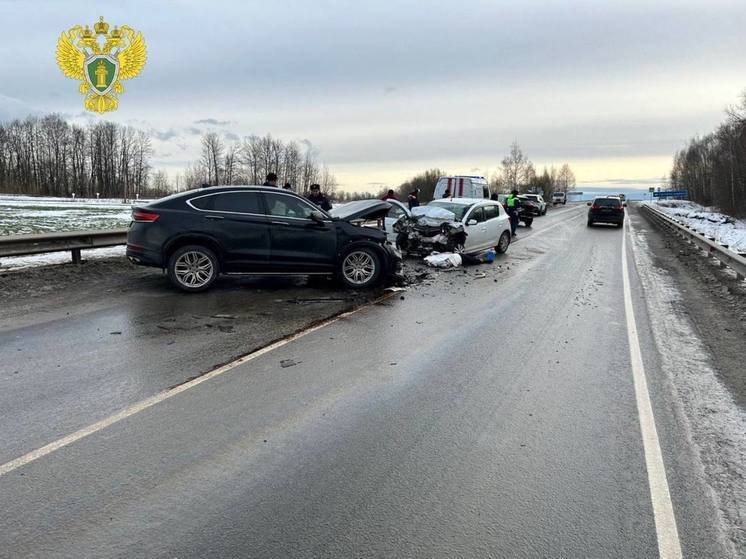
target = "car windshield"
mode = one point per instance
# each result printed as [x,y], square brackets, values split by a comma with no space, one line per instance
[459,210]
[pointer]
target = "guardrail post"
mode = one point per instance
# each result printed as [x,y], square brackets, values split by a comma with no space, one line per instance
[76,256]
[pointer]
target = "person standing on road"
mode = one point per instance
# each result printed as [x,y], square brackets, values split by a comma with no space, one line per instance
[317,198]
[447,193]
[513,203]
[413,199]
[287,186]
[271,180]
[390,195]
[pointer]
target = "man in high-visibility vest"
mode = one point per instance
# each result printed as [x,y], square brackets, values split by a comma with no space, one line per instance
[513,203]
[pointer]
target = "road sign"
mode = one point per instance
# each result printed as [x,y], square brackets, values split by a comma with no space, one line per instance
[670,194]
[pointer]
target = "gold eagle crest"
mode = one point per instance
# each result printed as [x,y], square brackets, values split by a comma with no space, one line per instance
[100,60]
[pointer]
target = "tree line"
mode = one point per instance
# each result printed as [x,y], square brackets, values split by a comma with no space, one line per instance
[47,156]
[252,159]
[712,168]
[517,172]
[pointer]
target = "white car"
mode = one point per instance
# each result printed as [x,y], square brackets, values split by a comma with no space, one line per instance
[539,199]
[397,211]
[486,223]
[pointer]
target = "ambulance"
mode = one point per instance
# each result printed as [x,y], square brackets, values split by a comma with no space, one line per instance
[461,186]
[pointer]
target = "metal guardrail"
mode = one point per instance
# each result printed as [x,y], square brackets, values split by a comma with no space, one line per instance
[73,241]
[727,258]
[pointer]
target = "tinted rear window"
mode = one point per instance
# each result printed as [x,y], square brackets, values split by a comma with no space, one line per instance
[607,202]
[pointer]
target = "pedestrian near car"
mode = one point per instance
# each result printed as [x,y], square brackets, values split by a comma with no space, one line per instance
[271,180]
[447,193]
[318,198]
[413,198]
[513,203]
[287,186]
[390,195]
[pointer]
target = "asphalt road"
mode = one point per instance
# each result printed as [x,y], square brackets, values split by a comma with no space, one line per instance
[488,416]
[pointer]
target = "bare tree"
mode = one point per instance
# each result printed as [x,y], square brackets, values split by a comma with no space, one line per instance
[514,167]
[212,155]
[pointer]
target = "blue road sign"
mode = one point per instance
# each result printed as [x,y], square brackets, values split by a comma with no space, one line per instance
[670,194]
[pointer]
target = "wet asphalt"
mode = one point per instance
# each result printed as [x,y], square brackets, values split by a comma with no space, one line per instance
[469,417]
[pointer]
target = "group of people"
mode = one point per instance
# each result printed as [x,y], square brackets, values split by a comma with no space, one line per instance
[315,195]
[413,199]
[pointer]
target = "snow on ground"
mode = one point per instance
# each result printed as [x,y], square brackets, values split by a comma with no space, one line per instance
[20,262]
[23,215]
[714,225]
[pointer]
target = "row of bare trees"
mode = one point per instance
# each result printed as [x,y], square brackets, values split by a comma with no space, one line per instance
[519,173]
[713,168]
[252,159]
[47,156]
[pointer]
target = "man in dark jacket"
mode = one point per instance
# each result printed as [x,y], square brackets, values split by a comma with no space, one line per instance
[413,199]
[271,180]
[318,198]
[513,203]
[390,195]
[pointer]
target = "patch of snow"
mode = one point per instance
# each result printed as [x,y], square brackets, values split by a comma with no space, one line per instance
[714,225]
[51,258]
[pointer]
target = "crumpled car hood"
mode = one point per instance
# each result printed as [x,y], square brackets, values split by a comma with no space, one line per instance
[361,209]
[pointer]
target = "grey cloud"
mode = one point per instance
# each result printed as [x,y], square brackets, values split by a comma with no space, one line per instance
[194,131]
[389,89]
[164,135]
[231,136]
[212,122]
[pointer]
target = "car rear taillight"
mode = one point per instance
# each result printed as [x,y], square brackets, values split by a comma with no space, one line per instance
[142,216]
[595,207]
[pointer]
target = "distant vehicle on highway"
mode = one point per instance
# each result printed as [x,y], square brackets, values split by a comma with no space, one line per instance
[200,234]
[462,187]
[539,200]
[622,197]
[559,198]
[606,209]
[486,223]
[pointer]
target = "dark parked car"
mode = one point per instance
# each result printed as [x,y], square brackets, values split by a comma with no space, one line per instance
[608,209]
[525,213]
[529,205]
[200,234]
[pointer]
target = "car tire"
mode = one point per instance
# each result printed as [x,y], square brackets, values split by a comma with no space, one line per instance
[528,222]
[193,268]
[590,223]
[503,243]
[360,268]
[620,224]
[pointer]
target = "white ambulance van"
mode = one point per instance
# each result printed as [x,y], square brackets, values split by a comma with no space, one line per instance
[461,186]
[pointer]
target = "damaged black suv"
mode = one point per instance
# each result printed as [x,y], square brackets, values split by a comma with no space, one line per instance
[200,234]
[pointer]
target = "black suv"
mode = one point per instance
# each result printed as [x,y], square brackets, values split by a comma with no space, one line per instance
[606,210]
[200,234]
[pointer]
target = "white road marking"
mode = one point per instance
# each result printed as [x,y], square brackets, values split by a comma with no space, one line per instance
[669,546]
[165,395]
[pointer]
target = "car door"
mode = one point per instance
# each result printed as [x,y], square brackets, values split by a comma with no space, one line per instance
[496,222]
[236,219]
[397,211]
[476,233]
[299,244]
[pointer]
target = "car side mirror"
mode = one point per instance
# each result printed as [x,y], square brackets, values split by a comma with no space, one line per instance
[472,222]
[587,203]
[317,216]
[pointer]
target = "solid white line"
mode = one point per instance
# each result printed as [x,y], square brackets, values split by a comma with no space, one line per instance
[165,395]
[669,546]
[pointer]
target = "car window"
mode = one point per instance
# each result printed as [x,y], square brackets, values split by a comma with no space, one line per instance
[235,202]
[478,214]
[288,206]
[491,212]
[607,202]
[396,211]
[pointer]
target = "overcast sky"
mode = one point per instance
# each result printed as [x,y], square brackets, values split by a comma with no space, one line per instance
[384,89]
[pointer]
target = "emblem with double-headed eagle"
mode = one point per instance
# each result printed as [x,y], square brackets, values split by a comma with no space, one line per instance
[101,59]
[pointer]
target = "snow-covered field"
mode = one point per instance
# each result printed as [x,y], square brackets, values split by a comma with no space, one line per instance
[23,215]
[721,228]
